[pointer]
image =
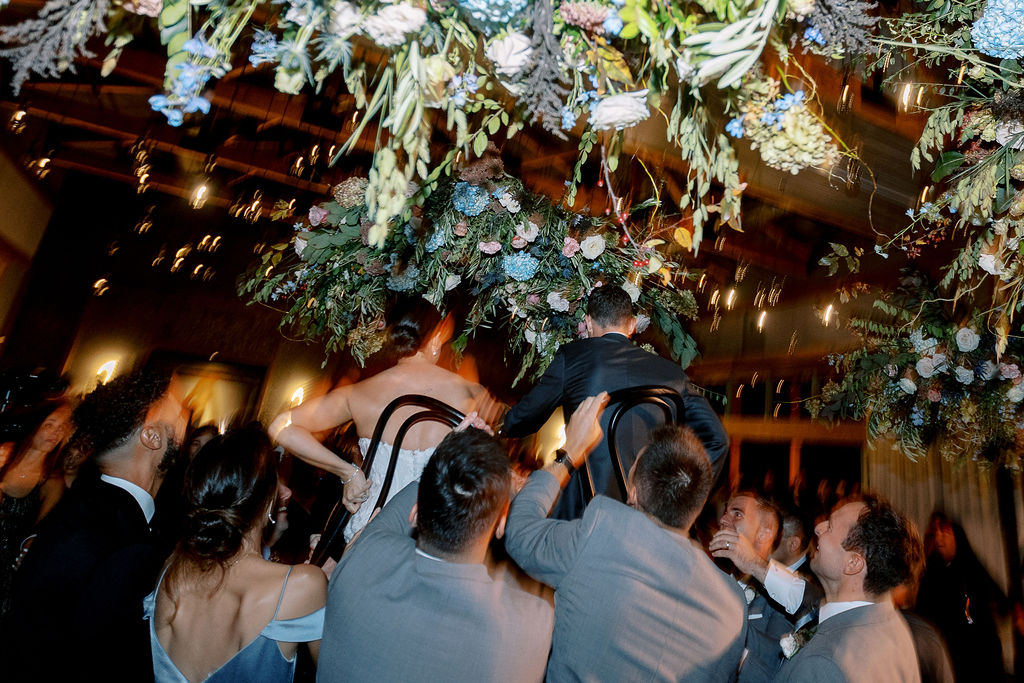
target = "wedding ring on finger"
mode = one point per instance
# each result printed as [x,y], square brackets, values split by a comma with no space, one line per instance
[727,545]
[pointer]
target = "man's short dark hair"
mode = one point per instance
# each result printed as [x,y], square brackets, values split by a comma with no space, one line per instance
[673,476]
[108,416]
[609,305]
[767,506]
[795,523]
[463,489]
[889,543]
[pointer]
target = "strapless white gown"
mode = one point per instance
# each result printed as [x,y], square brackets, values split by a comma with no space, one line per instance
[410,466]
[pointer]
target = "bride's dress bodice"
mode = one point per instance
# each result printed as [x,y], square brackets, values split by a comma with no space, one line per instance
[410,465]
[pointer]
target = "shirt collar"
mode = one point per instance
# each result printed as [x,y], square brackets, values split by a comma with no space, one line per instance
[799,563]
[140,494]
[428,556]
[831,609]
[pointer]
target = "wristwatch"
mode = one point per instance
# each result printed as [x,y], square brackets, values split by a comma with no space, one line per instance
[563,457]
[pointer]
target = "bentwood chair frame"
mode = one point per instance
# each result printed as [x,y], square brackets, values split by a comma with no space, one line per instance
[332,540]
[621,402]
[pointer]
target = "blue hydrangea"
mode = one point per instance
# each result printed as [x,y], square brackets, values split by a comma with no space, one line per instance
[406,281]
[490,16]
[410,234]
[735,127]
[520,266]
[813,35]
[788,100]
[568,118]
[612,24]
[999,32]
[772,118]
[435,241]
[469,199]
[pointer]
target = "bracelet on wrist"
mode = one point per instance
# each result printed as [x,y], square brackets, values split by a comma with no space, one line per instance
[352,476]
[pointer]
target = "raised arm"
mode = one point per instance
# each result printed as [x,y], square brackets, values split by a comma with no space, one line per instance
[294,430]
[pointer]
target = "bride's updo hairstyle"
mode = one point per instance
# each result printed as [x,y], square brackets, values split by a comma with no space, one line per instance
[229,488]
[413,321]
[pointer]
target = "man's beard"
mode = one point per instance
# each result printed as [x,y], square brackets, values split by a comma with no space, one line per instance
[170,457]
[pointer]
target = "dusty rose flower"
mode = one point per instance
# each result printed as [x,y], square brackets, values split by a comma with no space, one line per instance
[147,8]
[1009,371]
[374,268]
[934,395]
[533,299]
[570,248]
[581,330]
[518,242]
[461,228]
[489,247]
[316,215]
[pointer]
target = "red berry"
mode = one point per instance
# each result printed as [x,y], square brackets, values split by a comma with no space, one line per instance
[636,263]
[600,182]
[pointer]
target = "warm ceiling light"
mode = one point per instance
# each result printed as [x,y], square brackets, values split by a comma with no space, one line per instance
[106,371]
[297,397]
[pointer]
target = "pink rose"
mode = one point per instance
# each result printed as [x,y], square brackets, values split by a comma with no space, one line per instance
[934,395]
[518,242]
[581,330]
[316,215]
[146,8]
[460,229]
[533,299]
[570,248]
[1010,371]
[489,247]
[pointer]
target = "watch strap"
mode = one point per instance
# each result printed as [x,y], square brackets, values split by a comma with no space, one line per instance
[563,457]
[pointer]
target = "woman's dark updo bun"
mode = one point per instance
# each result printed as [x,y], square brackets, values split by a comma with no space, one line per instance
[228,489]
[413,321]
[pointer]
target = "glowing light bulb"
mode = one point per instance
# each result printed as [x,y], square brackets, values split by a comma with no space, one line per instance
[297,397]
[106,371]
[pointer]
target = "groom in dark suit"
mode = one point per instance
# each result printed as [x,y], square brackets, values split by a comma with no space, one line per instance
[606,361]
[77,611]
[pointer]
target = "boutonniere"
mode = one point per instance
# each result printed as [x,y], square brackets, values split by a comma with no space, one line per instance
[749,594]
[792,642]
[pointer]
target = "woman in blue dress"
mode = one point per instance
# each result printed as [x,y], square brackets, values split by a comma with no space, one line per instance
[221,612]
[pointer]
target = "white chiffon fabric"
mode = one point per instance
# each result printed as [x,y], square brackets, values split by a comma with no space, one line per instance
[410,466]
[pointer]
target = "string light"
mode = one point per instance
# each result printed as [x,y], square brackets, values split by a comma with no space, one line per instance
[730,298]
[106,371]
[826,315]
[16,124]
[199,196]
[100,287]
[778,387]
[760,321]
[297,397]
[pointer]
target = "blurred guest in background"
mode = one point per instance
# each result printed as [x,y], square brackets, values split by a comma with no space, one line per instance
[932,654]
[415,340]
[77,607]
[959,596]
[221,612]
[31,483]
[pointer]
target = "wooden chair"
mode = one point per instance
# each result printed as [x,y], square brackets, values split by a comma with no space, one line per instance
[332,540]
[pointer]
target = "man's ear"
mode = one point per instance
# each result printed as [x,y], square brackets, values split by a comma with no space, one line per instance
[414,515]
[152,437]
[854,564]
[588,323]
[793,544]
[632,326]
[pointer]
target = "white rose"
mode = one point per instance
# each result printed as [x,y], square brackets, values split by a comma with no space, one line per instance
[592,247]
[907,385]
[990,264]
[642,322]
[922,345]
[1006,130]
[964,375]
[925,367]
[789,645]
[528,232]
[345,19]
[534,338]
[939,362]
[967,339]
[620,111]
[632,290]
[300,243]
[451,282]
[509,54]
[388,27]
[1016,393]
[558,302]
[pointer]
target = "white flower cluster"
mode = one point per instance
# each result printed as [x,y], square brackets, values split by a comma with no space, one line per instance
[801,142]
[390,25]
[620,111]
[509,54]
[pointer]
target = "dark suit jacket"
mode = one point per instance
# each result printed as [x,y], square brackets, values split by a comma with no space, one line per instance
[633,600]
[77,612]
[767,622]
[589,366]
[870,644]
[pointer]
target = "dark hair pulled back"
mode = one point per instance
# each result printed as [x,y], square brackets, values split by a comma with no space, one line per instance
[413,321]
[228,489]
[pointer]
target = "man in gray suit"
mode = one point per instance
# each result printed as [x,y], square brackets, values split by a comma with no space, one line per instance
[865,550]
[635,598]
[426,609]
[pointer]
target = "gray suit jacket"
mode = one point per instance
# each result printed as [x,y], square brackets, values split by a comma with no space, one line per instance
[396,615]
[633,601]
[869,644]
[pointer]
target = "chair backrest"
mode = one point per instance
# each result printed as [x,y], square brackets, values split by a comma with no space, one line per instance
[621,402]
[332,540]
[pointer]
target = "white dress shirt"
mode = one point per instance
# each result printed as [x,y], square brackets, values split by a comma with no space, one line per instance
[140,494]
[830,609]
[784,585]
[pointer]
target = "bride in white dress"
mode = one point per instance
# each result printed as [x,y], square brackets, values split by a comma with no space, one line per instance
[416,340]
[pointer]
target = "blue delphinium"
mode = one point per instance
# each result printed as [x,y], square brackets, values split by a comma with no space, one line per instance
[1000,30]
[612,24]
[788,100]
[813,34]
[917,416]
[198,46]
[772,118]
[469,199]
[735,127]
[183,99]
[264,48]
[568,118]
[520,266]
